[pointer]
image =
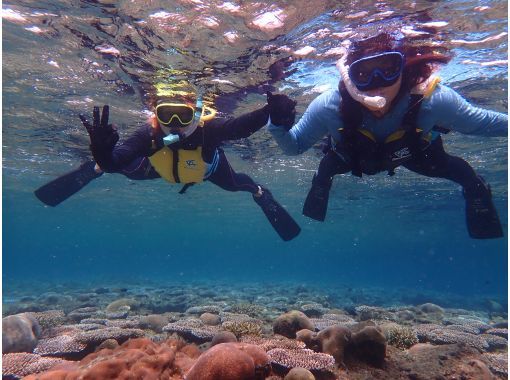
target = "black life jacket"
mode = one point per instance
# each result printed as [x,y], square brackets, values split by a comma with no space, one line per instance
[368,156]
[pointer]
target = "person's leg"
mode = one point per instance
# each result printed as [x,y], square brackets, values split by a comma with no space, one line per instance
[226,178]
[316,203]
[481,216]
[435,162]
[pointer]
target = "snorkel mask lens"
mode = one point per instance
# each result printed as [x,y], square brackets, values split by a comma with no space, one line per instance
[381,70]
[183,114]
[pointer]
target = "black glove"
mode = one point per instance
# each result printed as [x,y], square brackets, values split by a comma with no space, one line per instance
[282,110]
[103,136]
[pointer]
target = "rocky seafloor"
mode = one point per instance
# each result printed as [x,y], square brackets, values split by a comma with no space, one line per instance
[254,331]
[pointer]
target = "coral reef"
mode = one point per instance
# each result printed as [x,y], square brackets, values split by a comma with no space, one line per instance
[353,342]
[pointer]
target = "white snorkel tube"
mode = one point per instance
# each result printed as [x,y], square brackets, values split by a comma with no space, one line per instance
[373,102]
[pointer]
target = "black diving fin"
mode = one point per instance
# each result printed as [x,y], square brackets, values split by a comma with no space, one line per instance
[279,218]
[481,215]
[316,203]
[61,188]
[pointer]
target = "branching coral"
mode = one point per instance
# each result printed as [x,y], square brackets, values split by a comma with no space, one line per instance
[241,328]
[401,337]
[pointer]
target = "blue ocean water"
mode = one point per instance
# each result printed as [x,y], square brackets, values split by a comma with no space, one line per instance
[403,234]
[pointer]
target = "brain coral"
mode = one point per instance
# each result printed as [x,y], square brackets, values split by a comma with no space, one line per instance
[231,361]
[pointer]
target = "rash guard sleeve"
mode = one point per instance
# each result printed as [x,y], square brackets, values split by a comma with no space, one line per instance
[447,109]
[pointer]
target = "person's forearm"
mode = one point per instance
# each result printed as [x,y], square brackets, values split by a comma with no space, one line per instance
[286,140]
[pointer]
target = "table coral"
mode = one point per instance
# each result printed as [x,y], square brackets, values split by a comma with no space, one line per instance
[193,330]
[284,360]
[18,365]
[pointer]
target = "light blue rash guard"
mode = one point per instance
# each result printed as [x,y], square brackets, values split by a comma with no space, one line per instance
[444,108]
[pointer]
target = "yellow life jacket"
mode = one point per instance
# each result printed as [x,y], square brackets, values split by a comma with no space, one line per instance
[179,165]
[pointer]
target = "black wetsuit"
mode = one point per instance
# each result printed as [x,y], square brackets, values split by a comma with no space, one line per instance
[434,162]
[131,158]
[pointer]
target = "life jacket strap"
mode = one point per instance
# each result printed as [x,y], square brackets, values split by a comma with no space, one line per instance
[186,187]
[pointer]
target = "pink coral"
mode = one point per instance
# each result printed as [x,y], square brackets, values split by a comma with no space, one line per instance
[135,359]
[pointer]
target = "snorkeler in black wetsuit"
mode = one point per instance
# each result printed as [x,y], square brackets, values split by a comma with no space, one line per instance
[194,135]
[181,144]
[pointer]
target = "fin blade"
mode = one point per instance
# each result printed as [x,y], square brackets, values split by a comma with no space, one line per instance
[316,202]
[55,192]
[284,225]
[483,225]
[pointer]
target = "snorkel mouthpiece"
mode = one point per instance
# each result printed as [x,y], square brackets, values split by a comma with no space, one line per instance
[374,102]
[170,139]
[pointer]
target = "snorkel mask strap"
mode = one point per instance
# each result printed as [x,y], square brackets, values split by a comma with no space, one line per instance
[376,102]
[172,138]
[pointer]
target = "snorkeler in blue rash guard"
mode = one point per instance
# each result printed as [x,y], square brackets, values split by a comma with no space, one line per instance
[390,111]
